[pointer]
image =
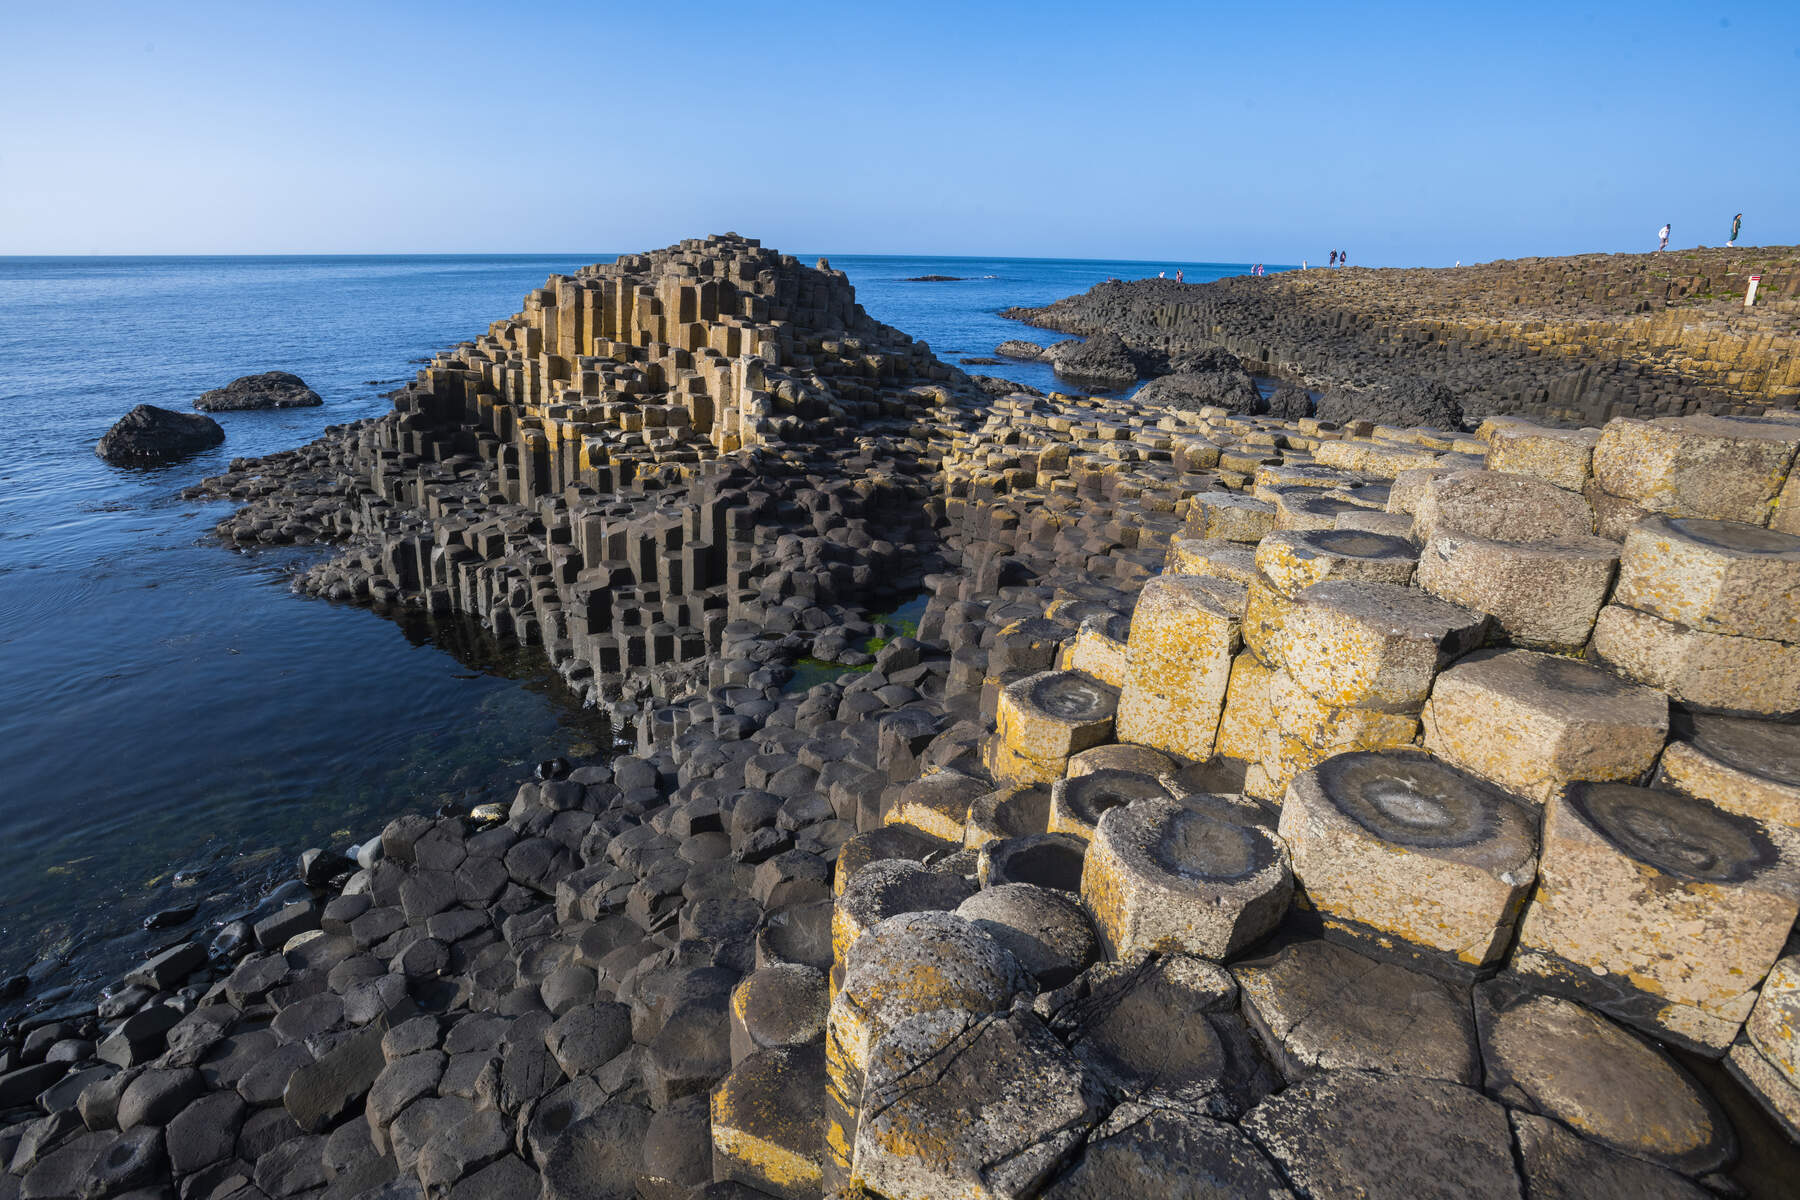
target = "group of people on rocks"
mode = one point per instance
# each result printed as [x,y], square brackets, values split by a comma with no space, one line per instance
[1737,226]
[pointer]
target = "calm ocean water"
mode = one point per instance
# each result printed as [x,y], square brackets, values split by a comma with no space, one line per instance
[175,724]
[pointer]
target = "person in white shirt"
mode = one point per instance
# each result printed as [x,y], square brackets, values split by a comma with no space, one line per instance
[1663,233]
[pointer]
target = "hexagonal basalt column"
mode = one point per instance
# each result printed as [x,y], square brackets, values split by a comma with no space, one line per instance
[915,963]
[1098,648]
[1541,594]
[1713,576]
[1564,457]
[1659,909]
[1229,516]
[1077,803]
[1044,718]
[1533,722]
[1246,709]
[937,804]
[1008,812]
[886,889]
[1121,756]
[1766,1059]
[1161,877]
[1698,466]
[1741,765]
[1735,674]
[1235,561]
[1302,732]
[1293,561]
[980,1108]
[1399,846]
[1501,507]
[1352,644]
[768,1122]
[1183,634]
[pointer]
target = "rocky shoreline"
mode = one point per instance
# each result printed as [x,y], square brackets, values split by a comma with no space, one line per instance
[1577,340]
[1263,805]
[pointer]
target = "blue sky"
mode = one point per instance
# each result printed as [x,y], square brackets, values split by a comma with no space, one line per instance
[1407,134]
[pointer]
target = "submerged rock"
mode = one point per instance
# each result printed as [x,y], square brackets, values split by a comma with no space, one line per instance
[271,389]
[148,435]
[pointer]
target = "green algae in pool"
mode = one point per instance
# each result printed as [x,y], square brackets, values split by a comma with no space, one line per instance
[902,622]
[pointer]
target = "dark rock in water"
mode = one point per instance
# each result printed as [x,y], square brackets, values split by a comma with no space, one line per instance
[319,867]
[170,917]
[554,768]
[1290,403]
[1405,401]
[271,389]
[13,987]
[933,279]
[1029,351]
[1103,361]
[1232,390]
[232,942]
[982,362]
[148,435]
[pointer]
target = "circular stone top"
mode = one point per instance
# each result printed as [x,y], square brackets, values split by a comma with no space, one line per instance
[1358,543]
[1052,860]
[920,961]
[1676,834]
[1734,536]
[1073,696]
[1420,802]
[1196,846]
[1086,797]
[1605,1084]
[1766,749]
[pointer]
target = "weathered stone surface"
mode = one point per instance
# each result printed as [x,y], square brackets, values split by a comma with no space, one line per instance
[1713,576]
[147,436]
[1564,1061]
[1322,1006]
[1735,674]
[1044,718]
[1742,766]
[1162,877]
[1542,595]
[975,1106]
[1500,507]
[1534,722]
[1557,1165]
[1293,561]
[597,1157]
[888,888]
[1078,802]
[1358,1133]
[1563,457]
[1164,1154]
[1183,634]
[768,1122]
[1047,930]
[321,1093]
[778,1007]
[1351,644]
[1658,909]
[1162,1030]
[1401,846]
[1699,466]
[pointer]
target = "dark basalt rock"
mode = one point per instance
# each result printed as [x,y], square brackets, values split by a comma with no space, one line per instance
[271,389]
[147,436]
[1103,361]
[933,279]
[1400,401]
[1232,390]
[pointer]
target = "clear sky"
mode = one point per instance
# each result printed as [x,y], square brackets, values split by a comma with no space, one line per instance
[1404,133]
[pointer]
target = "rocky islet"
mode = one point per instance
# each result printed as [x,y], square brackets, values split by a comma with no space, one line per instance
[1117,877]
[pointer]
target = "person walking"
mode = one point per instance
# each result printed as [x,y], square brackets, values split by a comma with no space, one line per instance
[1179,277]
[1343,258]
[1663,233]
[1737,223]
[1334,258]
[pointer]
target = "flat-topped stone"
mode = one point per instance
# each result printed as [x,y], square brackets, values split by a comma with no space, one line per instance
[1742,765]
[1713,576]
[1162,877]
[1533,722]
[1078,802]
[1400,846]
[1658,909]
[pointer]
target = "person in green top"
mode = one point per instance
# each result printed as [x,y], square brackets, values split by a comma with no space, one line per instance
[1737,223]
